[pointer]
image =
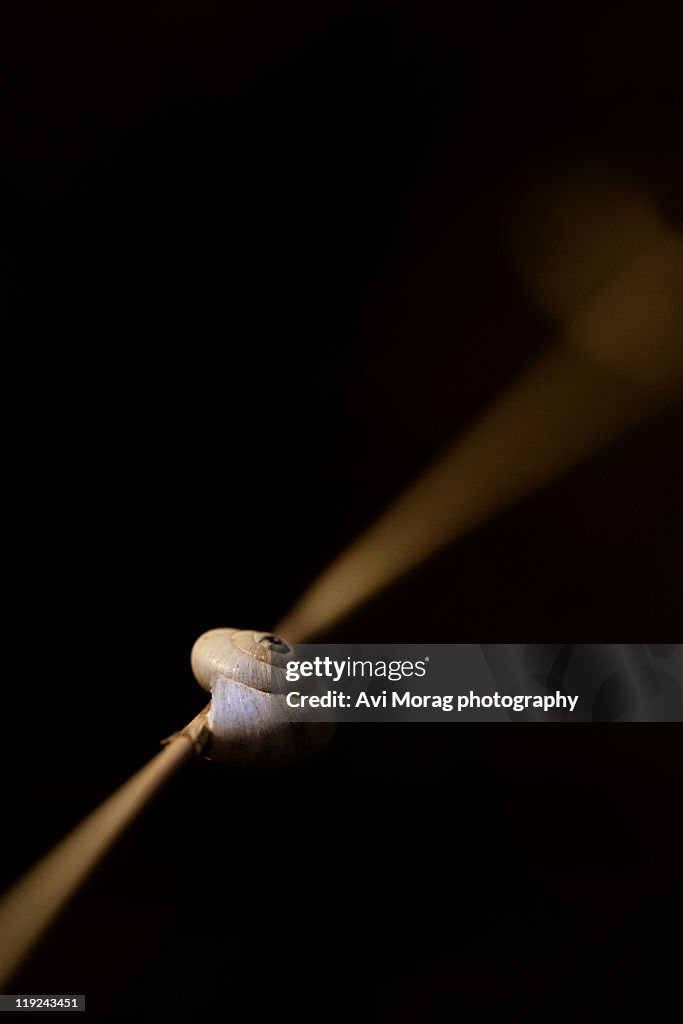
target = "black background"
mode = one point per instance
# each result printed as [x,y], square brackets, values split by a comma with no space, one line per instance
[255,280]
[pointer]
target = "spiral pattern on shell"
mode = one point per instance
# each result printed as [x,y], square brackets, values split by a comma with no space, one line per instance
[249,720]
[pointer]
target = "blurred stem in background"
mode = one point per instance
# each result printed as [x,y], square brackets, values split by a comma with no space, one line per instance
[594,252]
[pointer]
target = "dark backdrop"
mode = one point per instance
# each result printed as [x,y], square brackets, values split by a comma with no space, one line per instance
[256,279]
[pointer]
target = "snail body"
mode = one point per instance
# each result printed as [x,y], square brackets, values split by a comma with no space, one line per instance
[249,720]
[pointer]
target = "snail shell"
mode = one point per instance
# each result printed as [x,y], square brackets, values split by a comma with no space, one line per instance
[249,720]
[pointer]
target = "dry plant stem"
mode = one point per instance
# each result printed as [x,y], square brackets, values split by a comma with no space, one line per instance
[565,407]
[618,359]
[30,907]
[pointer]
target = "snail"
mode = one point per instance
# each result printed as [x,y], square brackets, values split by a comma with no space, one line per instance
[247,722]
[618,359]
[248,719]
